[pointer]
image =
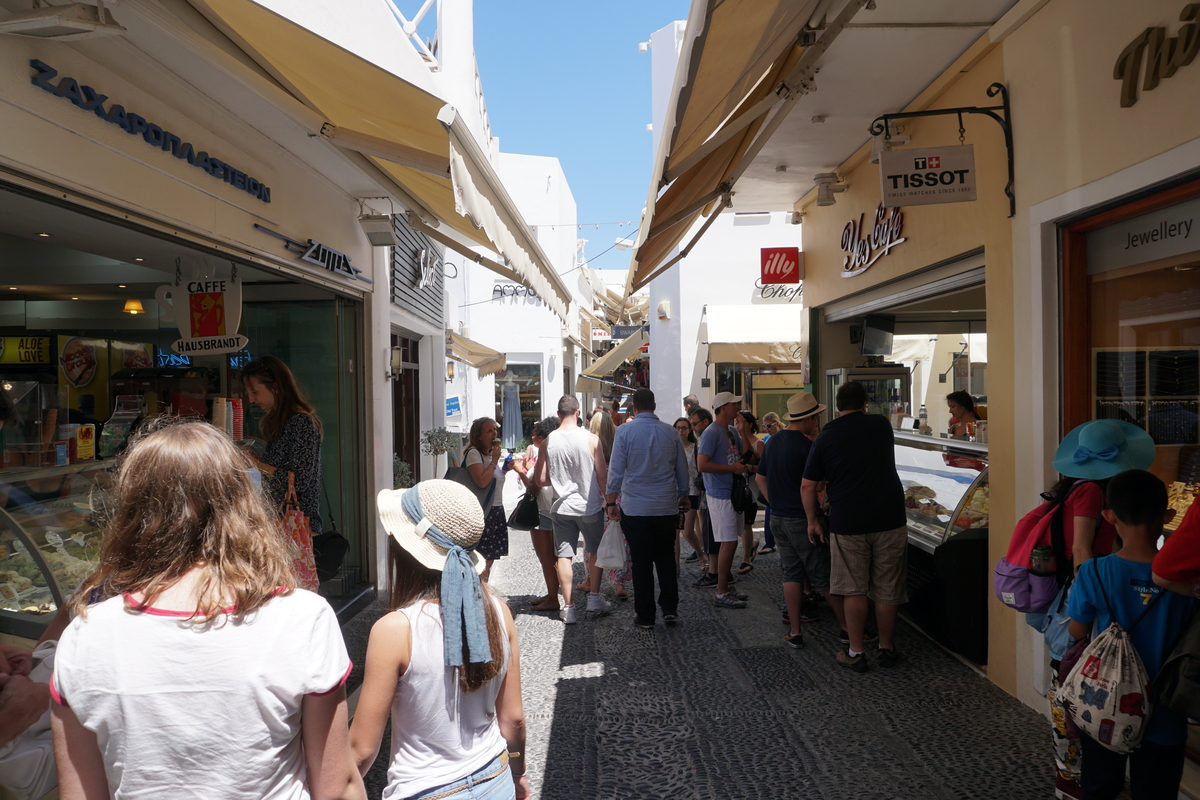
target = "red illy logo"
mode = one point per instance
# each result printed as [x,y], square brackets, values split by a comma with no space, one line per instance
[780,265]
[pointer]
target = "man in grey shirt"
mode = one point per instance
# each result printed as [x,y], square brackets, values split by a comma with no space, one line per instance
[649,472]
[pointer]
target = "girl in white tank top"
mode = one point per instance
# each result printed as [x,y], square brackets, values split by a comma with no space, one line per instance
[444,663]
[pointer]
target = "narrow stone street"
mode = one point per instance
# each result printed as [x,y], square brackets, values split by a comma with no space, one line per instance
[720,707]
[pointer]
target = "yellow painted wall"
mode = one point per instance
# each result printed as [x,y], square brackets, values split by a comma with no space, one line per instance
[936,233]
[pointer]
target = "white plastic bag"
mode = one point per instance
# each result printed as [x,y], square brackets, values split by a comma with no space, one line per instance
[611,554]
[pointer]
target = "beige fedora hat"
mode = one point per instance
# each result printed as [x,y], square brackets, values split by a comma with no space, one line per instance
[447,505]
[802,405]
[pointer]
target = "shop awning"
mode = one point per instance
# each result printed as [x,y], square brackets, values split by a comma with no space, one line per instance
[484,359]
[624,351]
[411,135]
[739,73]
[765,334]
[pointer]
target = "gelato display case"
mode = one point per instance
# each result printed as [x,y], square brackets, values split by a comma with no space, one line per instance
[49,540]
[946,499]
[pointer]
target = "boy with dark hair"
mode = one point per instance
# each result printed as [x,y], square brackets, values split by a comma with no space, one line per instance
[1137,506]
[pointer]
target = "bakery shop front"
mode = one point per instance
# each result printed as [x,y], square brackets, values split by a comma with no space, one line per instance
[152,243]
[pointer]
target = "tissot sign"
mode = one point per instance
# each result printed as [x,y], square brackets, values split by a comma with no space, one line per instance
[927,175]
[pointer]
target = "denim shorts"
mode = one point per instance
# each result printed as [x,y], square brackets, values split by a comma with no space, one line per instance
[492,781]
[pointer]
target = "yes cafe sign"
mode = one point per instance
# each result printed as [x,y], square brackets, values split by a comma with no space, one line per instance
[781,269]
[863,248]
[208,320]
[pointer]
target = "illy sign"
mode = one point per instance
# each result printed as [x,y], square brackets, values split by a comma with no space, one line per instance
[781,265]
[928,175]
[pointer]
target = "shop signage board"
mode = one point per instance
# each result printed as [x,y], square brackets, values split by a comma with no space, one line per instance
[776,293]
[89,99]
[25,350]
[453,406]
[927,175]
[781,265]
[208,314]
[316,253]
[864,247]
[1163,56]
[625,331]
[1172,231]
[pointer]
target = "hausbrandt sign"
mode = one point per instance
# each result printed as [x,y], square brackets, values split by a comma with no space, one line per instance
[927,175]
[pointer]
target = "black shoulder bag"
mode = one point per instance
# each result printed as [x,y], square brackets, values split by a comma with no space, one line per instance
[329,547]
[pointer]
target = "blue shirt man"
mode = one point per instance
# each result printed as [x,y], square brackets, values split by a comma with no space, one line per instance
[649,471]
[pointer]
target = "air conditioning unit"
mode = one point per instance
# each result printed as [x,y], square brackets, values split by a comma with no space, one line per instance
[62,23]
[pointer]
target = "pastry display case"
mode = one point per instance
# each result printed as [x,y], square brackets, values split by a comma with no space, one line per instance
[49,540]
[946,501]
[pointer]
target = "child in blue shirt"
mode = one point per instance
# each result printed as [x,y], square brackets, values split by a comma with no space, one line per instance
[1137,506]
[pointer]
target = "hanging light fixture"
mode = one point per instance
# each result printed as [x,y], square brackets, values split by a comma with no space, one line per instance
[133,306]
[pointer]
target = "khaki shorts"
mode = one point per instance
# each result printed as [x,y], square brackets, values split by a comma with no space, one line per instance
[874,564]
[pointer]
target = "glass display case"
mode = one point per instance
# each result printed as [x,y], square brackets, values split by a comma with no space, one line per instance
[945,487]
[888,388]
[49,540]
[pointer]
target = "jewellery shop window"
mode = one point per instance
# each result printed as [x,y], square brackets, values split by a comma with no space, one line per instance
[518,403]
[1143,335]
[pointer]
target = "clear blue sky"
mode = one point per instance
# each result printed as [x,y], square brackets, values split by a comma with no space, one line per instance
[565,79]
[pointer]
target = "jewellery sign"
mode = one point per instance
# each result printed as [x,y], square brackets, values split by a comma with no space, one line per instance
[927,175]
[863,248]
[208,319]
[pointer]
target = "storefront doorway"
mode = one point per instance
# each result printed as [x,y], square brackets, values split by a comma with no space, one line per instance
[406,407]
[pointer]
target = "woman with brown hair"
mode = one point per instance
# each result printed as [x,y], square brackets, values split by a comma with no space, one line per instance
[292,432]
[445,663]
[205,672]
[482,460]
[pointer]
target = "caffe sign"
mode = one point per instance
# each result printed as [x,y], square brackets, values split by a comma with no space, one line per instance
[208,312]
[864,246]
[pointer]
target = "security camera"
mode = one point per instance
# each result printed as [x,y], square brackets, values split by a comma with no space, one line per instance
[827,186]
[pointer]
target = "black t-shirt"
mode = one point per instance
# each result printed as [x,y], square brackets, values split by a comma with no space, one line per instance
[783,466]
[856,455]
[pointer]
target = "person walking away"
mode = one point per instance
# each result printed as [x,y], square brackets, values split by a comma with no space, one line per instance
[602,426]
[771,425]
[868,532]
[542,536]
[718,461]
[1080,490]
[1137,506]
[482,460]
[746,426]
[444,663]
[573,463]
[780,474]
[691,517]
[205,672]
[649,472]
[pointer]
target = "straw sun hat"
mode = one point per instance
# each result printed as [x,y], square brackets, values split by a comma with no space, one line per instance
[449,506]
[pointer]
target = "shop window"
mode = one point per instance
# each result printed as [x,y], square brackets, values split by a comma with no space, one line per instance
[518,403]
[1131,335]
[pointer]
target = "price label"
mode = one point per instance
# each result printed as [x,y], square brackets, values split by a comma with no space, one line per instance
[55,541]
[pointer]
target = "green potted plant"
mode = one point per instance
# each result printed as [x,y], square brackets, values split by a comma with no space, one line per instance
[437,441]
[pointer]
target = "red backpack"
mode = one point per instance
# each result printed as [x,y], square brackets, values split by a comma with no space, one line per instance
[1019,582]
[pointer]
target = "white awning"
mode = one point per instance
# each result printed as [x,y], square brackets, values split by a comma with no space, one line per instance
[484,359]
[624,351]
[764,334]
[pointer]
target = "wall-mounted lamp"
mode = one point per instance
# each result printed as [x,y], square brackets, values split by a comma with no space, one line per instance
[664,310]
[395,362]
[827,187]
[450,371]
[133,307]
[379,230]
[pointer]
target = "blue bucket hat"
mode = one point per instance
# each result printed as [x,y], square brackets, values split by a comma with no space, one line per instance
[1103,448]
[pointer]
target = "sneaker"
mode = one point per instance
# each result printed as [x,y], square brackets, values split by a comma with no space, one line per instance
[1067,790]
[694,557]
[569,615]
[670,619]
[706,580]
[796,642]
[728,601]
[647,624]
[856,664]
[736,595]
[598,604]
[868,636]
[888,658]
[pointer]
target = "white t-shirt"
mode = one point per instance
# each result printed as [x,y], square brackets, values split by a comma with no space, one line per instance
[475,457]
[200,711]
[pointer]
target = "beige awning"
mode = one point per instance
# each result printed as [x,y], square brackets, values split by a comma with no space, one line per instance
[764,334]
[484,359]
[585,384]
[608,363]
[414,137]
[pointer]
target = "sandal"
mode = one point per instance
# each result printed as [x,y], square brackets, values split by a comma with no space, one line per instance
[766,550]
[745,568]
[544,606]
[753,551]
[621,594]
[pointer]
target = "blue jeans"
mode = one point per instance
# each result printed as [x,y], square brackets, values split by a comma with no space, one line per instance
[483,784]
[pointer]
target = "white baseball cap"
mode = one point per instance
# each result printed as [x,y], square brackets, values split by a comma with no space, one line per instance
[724,399]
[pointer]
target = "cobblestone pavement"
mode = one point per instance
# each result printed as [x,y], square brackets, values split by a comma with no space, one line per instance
[720,707]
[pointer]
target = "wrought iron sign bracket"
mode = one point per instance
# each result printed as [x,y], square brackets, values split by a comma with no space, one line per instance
[882,125]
